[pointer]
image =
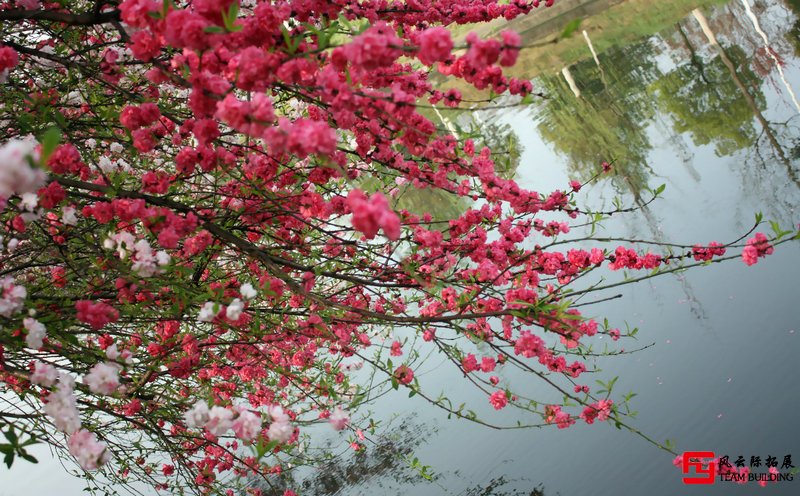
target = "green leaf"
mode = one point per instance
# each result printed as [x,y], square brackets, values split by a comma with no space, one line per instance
[291,44]
[357,399]
[229,18]
[12,436]
[165,7]
[60,119]
[776,228]
[50,140]
[263,448]
[233,10]
[30,458]
[570,28]
[29,442]
[759,216]
[213,29]
[25,122]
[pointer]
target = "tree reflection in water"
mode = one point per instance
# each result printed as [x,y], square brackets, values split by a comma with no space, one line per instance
[385,468]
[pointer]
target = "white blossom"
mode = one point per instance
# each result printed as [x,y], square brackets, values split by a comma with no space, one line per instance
[248,291]
[12,297]
[43,374]
[247,425]
[90,453]
[122,164]
[62,406]
[280,429]
[197,416]
[207,312]
[220,420]
[235,309]
[16,174]
[36,333]
[68,217]
[74,98]
[146,263]
[112,353]
[29,201]
[105,164]
[339,419]
[103,378]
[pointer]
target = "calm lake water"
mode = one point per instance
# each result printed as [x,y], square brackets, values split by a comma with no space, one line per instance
[719,125]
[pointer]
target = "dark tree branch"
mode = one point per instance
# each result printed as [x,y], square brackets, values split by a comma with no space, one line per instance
[86,19]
